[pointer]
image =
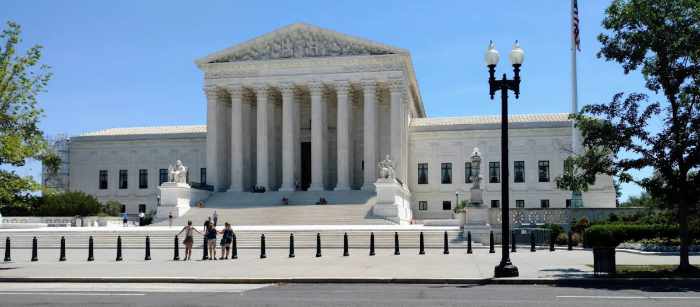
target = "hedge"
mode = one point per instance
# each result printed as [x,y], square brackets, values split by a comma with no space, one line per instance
[610,235]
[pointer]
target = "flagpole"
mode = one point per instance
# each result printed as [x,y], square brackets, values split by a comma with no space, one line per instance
[575,142]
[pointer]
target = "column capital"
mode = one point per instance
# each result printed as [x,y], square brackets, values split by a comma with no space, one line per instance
[342,87]
[287,89]
[212,92]
[315,87]
[235,90]
[261,89]
[369,85]
[395,85]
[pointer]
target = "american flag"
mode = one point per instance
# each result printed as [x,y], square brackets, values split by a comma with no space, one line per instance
[574,26]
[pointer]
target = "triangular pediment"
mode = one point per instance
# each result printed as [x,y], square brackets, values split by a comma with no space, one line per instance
[300,40]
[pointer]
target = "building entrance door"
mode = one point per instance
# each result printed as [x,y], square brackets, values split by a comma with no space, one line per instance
[305,165]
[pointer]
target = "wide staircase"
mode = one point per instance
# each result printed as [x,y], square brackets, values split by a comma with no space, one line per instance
[244,208]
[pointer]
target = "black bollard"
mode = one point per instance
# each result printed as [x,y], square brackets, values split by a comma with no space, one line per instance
[318,245]
[62,256]
[291,245]
[119,248]
[569,241]
[7,250]
[346,251]
[421,245]
[91,249]
[34,250]
[148,249]
[396,243]
[512,242]
[551,241]
[492,247]
[371,243]
[263,252]
[176,249]
[205,250]
[532,242]
[234,248]
[469,242]
[447,247]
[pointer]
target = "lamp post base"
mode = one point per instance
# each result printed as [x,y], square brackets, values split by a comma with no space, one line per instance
[505,270]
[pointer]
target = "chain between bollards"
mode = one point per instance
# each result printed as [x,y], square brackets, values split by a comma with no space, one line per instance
[492,247]
[371,243]
[469,242]
[346,251]
[35,244]
[318,244]
[234,248]
[176,249]
[291,245]
[446,245]
[62,256]
[421,245]
[396,243]
[119,248]
[263,251]
[532,242]
[91,249]
[148,249]
[7,250]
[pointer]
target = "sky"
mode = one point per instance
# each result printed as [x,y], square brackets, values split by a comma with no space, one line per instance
[131,63]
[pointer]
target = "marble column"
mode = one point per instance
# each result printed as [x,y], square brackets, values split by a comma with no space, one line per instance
[317,162]
[395,88]
[343,138]
[369,89]
[288,148]
[236,93]
[213,146]
[263,150]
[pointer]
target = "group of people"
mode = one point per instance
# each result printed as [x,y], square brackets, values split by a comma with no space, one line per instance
[210,233]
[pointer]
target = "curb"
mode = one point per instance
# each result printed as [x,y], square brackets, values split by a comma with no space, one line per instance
[580,282]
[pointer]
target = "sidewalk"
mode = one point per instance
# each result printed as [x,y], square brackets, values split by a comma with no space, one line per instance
[332,266]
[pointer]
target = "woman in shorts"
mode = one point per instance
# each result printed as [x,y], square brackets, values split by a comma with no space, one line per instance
[189,239]
[226,240]
[211,241]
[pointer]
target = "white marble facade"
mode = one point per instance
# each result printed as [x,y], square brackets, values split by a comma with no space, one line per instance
[304,106]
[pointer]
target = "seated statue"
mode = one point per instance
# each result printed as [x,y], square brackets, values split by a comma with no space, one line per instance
[386,168]
[178,173]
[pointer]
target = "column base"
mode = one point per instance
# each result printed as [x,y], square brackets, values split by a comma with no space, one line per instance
[505,270]
[315,187]
[343,187]
[368,187]
[286,189]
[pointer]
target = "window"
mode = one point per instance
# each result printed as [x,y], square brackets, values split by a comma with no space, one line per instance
[495,203]
[520,203]
[446,177]
[422,173]
[446,205]
[544,203]
[123,179]
[519,171]
[543,167]
[467,172]
[203,176]
[494,172]
[143,179]
[568,203]
[142,208]
[103,179]
[162,176]
[422,205]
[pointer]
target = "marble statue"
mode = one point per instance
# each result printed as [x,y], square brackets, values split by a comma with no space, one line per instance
[178,173]
[386,168]
[476,165]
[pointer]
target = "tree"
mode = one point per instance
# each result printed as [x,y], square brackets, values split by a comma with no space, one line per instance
[22,78]
[574,179]
[660,38]
[643,200]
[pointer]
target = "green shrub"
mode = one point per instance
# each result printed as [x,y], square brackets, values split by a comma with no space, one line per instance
[112,208]
[68,204]
[556,229]
[610,235]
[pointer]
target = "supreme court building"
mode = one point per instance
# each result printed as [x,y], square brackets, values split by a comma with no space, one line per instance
[308,109]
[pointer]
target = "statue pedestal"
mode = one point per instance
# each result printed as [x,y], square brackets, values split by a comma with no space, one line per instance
[174,198]
[393,201]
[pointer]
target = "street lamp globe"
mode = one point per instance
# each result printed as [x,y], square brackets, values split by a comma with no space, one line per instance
[491,57]
[517,55]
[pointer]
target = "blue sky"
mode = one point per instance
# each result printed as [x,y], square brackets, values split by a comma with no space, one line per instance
[130,63]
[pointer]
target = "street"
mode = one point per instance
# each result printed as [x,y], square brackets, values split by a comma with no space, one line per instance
[134,294]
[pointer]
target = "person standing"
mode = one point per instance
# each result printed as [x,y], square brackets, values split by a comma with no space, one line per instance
[170,219]
[211,241]
[189,239]
[216,218]
[125,218]
[226,241]
[142,217]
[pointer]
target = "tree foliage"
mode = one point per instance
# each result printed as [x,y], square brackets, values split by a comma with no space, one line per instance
[22,78]
[661,39]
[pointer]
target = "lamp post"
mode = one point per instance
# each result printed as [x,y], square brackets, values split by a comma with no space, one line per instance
[505,268]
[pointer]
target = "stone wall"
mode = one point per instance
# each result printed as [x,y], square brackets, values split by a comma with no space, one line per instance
[562,216]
